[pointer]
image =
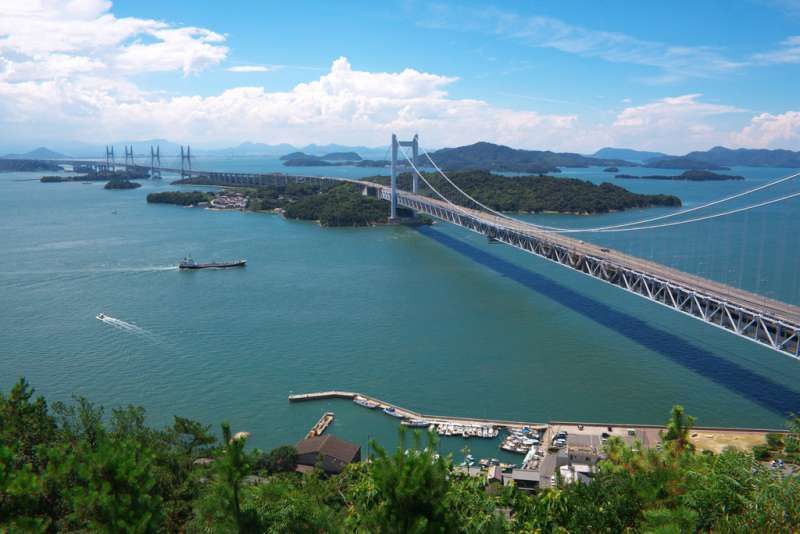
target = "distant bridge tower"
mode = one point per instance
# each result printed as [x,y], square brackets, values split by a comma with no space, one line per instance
[155,162]
[186,161]
[129,156]
[414,144]
[110,163]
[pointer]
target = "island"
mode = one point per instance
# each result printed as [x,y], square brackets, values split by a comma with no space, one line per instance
[492,157]
[611,169]
[94,176]
[334,159]
[749,157]
[27,165]
[683,162]
[539,194]
[692,176]
[121,184]
[329,204]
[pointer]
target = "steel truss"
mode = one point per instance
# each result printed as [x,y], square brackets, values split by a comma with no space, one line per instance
[745,322]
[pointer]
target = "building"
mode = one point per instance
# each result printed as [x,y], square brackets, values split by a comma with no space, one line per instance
[331,453]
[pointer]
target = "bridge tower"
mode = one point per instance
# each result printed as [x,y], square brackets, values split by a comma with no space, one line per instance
[414,145]
[129,156]
[110,163]
[186,161]
[155,162]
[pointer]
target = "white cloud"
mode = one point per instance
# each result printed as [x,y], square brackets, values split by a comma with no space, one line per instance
[675,62]
[42,39]
[678,124]
[789,52]
[771,131]
[254,68]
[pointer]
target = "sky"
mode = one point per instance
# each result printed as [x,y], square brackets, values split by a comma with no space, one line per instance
[568,76]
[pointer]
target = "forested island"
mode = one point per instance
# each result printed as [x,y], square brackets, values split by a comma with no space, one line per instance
[93,176]
[683,162]
[329,204]
[26,165]
[73,467]
[180,198]
[334,159]
[121,184]
[492,157]
[692,176]
[538,194]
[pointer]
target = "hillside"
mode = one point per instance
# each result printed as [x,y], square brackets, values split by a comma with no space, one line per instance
[38,153]
[26,165]
[492,157]
[536,194]
[628,154]
[749,157]
[684,162]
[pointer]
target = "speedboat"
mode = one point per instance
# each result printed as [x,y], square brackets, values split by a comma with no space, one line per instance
[389,410]
[100,316]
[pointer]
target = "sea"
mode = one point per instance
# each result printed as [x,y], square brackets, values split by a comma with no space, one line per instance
[434,319]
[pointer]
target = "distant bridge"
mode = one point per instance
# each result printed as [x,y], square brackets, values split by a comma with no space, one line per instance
[768,322]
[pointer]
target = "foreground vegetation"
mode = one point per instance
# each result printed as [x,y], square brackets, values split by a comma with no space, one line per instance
[534,194]
[73,468]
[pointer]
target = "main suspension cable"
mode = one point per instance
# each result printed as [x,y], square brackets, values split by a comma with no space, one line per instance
[623,225]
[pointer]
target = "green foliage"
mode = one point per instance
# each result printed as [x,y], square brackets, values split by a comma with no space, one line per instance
[340,205]
[181,198]
[678,428]
[112,487]
[77,470]
[535,194]
[761,452]
[278,460]
[774,441]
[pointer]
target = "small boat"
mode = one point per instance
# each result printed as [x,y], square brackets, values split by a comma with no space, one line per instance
[361,401]
[189,263]
[391,411]
[100,316]
[416,423]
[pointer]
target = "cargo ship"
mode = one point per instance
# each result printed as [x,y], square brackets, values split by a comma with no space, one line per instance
[189,263]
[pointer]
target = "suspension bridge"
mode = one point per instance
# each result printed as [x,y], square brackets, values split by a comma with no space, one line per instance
[768,322]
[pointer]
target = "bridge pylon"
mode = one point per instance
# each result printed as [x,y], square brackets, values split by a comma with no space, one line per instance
[110,163]
[186,162]
[129,162]
[155,162]
[414,145]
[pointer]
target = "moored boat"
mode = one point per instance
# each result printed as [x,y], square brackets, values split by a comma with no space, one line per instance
[361,401]
[416,423]
[389,410]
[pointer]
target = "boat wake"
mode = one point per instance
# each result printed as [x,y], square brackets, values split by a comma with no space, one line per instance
[120,324]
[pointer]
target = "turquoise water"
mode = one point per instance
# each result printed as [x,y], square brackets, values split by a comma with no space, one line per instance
[435,320]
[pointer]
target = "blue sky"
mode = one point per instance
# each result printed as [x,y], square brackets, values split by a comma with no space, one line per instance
[671,76]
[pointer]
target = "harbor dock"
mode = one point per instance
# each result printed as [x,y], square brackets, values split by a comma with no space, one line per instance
[321,426]
[411,414]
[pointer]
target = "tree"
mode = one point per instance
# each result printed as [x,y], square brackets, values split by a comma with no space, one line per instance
[280,459]
[409,490]
[678,428]
[113,486]
[25,423]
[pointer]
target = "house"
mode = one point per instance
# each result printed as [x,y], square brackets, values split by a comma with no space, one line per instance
[331,453]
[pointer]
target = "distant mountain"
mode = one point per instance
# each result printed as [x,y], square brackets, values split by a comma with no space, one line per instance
[38,153]
[488,156]
[683,162]
[628,154]
[749,157]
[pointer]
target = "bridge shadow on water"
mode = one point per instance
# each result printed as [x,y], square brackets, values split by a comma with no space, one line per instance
[757,388]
